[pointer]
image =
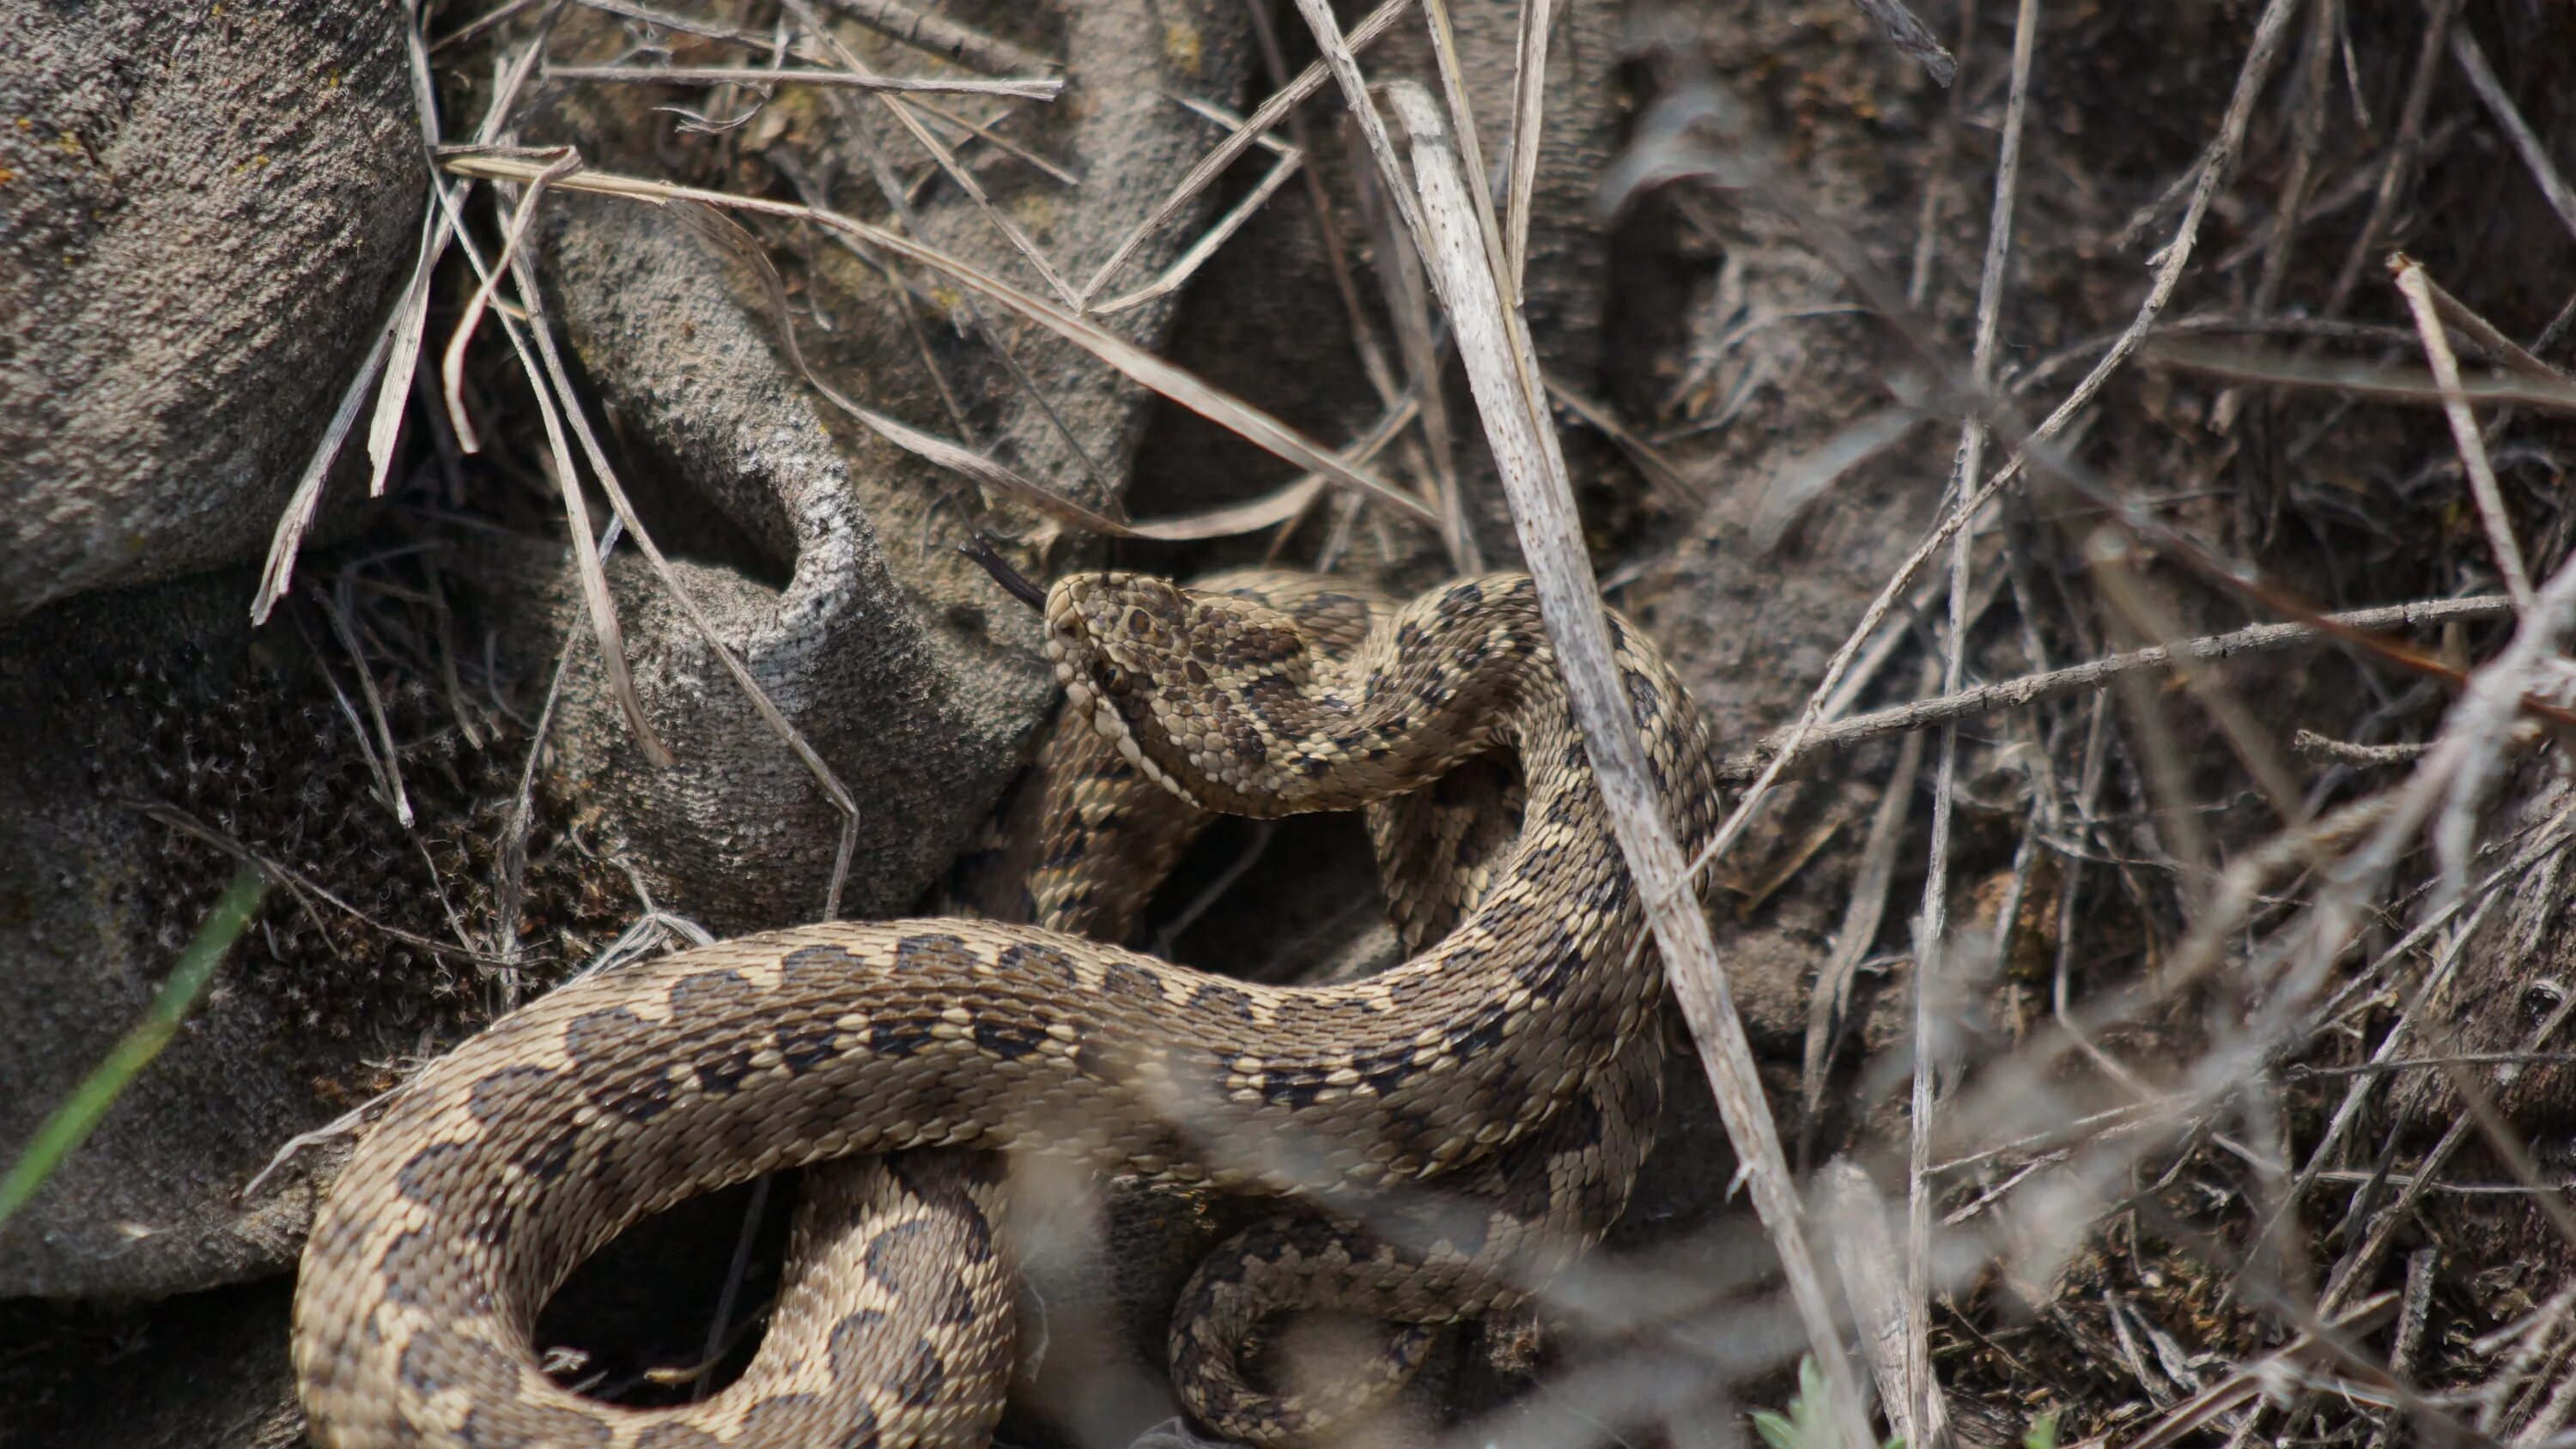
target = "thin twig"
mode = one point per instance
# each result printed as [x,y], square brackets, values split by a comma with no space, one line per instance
[942,36]
[1141,366]
[2413,286]
[396,354]
[2535,156]
[588,567]
[1502,372]
[2399,168]
[1209,167]
[1927,1418]
[1030,88]
[2343,752]
[1791,748]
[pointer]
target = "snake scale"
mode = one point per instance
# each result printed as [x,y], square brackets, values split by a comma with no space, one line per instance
[1508,1064]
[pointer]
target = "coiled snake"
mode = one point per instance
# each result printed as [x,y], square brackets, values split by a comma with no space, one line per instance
[1510,1062]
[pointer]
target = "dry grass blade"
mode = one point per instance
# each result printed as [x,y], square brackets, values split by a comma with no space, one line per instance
[1799,747]
[2535,156]
[1829,1002]
[397,351]
[1424,350]
[1909,34]
[2418,292]
[560,162]
[957,173]
[1248,516]
[278,573]
[1141,366]
[1032,88]
[1493,342]
[1927,1418]
[1658,470]
[1865,1259]
[1186,265]
[1264,116]
[386,757]
[2482,335]
[1343,61]
[590,571]
[1529,107]
[941,36]
[2399,168]
[2259,1378]
[2367,381]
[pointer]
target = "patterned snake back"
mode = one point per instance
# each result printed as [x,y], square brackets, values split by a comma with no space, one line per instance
[1522,1037]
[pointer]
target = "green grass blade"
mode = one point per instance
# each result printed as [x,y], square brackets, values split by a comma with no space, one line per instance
[76,1118]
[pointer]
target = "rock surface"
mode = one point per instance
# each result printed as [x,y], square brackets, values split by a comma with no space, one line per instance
[201,211]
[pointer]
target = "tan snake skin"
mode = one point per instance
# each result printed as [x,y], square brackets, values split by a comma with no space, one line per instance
[507,1162]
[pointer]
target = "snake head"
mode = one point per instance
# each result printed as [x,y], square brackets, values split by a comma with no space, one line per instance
[1171,676]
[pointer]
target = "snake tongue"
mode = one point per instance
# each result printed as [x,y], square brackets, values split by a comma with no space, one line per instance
[1012,581]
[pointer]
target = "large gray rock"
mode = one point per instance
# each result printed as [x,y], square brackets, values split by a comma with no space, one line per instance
[151,737]
[203,210]
[130,709]
[820,551]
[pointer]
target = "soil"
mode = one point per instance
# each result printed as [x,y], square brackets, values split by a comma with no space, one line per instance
[2176,1148]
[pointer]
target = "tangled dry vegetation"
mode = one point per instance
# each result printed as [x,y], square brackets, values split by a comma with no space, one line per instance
[2191,382]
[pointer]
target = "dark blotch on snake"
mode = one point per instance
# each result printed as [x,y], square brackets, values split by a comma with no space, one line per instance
[805,1045]
[719,1076]
[710,994]
[892,1034]
[1042,962]
[922,1378]
[437,1359]
[849,1344]
[1068,853]
[1217,997]
[1009,1040]
[933,953]
[647,1097]
[599,1036]
[527,1426]
[1384,1075]
[677,1436]
[1294,1091]
[419,1179]
[804,969]
[546,1158]
[1481,1033]
[511,1092]
[404,1265]
[862,1433]
[1550,963]
[1123,981]
[883,1247]
[782,1419]
[1504,1097]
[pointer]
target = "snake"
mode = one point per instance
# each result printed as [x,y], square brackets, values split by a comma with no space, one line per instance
[1503,1068]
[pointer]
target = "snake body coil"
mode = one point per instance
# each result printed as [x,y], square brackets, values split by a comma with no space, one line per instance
[507,1162]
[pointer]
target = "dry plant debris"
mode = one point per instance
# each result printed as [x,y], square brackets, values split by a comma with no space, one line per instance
[2226,1092]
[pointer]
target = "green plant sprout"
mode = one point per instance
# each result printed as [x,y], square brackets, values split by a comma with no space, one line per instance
[1808,1426]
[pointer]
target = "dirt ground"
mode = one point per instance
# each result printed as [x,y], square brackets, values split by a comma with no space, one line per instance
[2236,986]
